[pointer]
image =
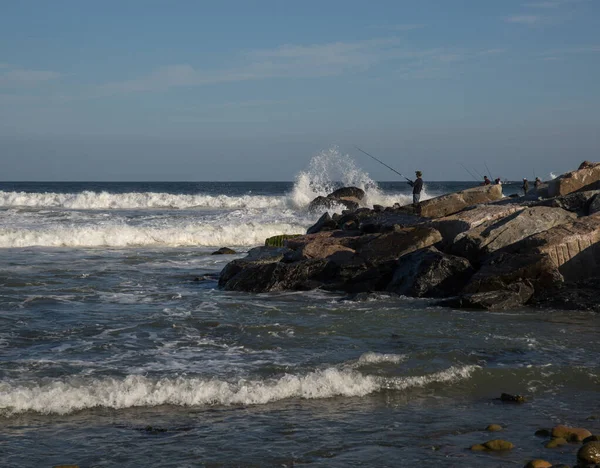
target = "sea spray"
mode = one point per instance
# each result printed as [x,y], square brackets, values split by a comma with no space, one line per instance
[329,170]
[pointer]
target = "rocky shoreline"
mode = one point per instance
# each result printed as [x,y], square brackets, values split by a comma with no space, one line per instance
[469,249]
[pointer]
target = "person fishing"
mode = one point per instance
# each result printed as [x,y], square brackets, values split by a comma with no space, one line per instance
[486,181]
[537,183]
[525,186]
[417,186]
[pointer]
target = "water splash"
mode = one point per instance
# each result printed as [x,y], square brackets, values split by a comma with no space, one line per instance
[553,175]
[329,170]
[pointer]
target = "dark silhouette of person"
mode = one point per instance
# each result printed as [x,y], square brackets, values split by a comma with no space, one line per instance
[417,186]
[525,186]
[486,181]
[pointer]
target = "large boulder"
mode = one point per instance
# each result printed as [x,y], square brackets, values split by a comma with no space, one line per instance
[429,273]
[568,252]
[453,225]
[497,234]
[324,223]
[587,177]
[325,244]
[347,192]
[377,248]
[254,269]
[448,204]
[513,296]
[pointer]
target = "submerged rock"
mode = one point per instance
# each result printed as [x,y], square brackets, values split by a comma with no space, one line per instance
[224,251]
[589,454]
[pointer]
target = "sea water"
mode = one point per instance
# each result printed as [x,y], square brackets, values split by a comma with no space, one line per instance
[118,349]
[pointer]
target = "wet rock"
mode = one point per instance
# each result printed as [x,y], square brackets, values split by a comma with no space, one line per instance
[571,434]
[589,454]
[253,267]
[324,244]
[538,464]
[512,296]
[346,192]
[495,235]
[592,438]
[430,273]
[494,428]
[556,442]
[495,445]
[324,223]
[509,398]
[279,241]
[321,204]
[448,204]
[584,178]
[580,295]
[543,433]
[224,251]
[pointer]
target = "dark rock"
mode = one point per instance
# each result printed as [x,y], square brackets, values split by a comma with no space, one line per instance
[543,433]
[324,223]
[511,296]
[594,206]
[507,397]
[224,251]
[581,295]
[346,192]
[430,273]
[320,204]
[577,202]
[256,258]
[378,208]
[589,454]
[592,438]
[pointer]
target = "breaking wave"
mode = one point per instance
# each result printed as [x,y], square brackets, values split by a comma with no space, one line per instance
[75,394]
[120,235]
[144,200]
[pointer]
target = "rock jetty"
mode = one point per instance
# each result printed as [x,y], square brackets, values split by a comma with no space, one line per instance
[470,249]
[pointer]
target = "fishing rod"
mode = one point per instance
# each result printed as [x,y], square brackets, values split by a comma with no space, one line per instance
[489,172]
[465,167]
[381,162]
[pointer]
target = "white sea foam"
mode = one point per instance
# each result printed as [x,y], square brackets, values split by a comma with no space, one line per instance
[122,235]
[74,394]
[376,358]
[145,200]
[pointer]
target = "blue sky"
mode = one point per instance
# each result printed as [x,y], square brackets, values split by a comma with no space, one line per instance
[251,90]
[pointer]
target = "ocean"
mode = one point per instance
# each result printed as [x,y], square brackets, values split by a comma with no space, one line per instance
[118,349]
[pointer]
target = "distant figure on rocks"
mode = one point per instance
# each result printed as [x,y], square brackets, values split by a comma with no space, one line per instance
[417,186]
[486,181]
[498,181]
[537,183]
[525,186]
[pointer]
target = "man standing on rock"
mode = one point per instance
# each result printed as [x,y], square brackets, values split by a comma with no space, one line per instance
[417,186]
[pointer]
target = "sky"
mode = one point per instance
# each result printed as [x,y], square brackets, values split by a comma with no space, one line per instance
[252,90]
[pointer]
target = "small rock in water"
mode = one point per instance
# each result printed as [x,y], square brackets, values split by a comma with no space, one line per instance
[556,442]
[494,428]
[224,251]
[538,464]
[512,398]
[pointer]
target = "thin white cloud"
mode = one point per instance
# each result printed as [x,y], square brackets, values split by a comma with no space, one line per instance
[400,27]
[13,76]
[551,4]
[295,61]
[524,19]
